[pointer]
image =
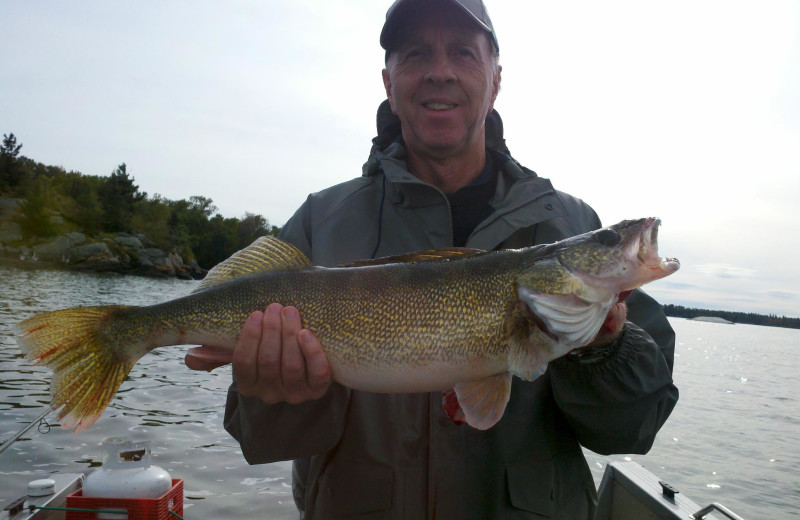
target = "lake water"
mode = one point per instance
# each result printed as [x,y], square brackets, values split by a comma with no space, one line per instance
[734,437]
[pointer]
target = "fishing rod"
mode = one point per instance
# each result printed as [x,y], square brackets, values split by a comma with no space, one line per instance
[7,444]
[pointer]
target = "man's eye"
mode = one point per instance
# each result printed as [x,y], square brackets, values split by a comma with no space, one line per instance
[464,52]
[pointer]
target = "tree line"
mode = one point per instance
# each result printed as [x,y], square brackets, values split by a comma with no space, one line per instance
[770,320]
[95,205]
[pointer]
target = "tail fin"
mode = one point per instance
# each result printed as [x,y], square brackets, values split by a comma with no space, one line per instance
[87,371]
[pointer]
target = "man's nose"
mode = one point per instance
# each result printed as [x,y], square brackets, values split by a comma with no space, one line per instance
[441,69]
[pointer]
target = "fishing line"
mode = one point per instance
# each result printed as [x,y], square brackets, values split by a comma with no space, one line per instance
[42,429]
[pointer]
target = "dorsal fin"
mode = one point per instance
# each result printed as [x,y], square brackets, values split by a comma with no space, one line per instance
[268,253]
[429,255]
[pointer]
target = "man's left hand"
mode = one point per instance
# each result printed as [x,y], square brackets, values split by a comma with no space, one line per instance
[612,326]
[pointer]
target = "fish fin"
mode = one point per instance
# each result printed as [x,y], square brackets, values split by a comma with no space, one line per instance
[571,321]
[483,402]
[86,371]
[268,253]
[452,408]
[430,255]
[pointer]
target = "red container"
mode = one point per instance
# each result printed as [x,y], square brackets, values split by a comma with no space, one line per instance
[137,508]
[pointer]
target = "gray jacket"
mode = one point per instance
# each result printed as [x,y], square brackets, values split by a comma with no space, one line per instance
[397,456]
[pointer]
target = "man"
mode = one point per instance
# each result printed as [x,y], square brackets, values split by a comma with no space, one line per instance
[439,175]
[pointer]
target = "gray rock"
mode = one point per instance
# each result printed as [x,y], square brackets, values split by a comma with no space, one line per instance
[9,206]
[58,249]
[154,255]
[174,260]
[76,238]
[98,250]
[10,231]
[144,260]
[144,239]
[129,242]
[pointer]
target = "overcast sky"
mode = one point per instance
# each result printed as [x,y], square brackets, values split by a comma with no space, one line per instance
[687,110]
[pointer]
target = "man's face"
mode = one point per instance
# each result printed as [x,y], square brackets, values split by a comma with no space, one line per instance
[441,80]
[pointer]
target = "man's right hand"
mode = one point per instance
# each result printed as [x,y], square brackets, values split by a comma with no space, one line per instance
[275,359]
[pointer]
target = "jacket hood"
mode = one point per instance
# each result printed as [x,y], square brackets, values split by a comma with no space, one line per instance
[388,125]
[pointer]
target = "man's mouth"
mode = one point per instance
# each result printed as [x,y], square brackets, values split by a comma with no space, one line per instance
[438,106]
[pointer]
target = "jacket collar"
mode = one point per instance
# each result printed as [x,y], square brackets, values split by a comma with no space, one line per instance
[522,198]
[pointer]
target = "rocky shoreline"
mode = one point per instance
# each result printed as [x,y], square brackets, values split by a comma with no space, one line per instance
[124,253]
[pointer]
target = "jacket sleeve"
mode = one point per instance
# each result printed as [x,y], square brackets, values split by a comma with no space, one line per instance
[269,433]
[618,404]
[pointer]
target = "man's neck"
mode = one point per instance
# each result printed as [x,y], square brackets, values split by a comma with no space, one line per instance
[449,174]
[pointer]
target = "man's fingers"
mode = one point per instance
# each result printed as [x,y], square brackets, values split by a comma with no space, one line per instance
[277,360]
[318,371]
[245,355]
[270,351]
[207,357]
[293,370]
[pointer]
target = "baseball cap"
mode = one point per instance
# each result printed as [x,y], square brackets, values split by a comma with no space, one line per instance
[401,8]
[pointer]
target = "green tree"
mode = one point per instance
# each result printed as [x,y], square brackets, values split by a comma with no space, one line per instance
[151,217]
[219,243]
[10,172]
[81,200]
[35,219]
[189,226]
[251,227]
[118,196]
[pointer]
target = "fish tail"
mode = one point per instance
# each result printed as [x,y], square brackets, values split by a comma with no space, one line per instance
[89,354]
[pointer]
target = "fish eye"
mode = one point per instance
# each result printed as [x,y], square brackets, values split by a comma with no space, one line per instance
[607,237]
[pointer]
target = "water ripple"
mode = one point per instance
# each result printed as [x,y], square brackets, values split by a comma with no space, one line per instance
[179,410]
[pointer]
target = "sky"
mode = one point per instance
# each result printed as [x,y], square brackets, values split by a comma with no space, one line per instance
[686,110]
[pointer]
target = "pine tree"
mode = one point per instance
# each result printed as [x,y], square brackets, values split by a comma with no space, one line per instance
[118,196]
[10,172]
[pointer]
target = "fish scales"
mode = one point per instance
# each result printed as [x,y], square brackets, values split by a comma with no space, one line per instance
[420,320]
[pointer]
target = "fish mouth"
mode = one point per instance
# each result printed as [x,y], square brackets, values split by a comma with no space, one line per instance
[647,249]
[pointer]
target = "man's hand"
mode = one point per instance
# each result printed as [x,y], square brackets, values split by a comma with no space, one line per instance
[275,359]
[612,326]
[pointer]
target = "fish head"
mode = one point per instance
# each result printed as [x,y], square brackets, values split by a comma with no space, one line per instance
[569,287]
[618,258]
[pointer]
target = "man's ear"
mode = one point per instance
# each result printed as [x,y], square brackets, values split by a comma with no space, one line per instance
[387,84]
[495,85]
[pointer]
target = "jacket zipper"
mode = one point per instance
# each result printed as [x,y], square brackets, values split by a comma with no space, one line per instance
[496,216]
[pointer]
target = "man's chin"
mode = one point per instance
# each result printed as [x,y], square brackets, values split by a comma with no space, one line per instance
[440,142]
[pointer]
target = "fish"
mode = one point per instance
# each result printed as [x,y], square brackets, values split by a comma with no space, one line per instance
[461,321]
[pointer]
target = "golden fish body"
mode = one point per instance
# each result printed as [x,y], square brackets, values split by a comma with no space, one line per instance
[421,322]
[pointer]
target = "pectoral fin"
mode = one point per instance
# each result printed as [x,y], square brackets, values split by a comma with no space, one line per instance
[568,319]
[478,403]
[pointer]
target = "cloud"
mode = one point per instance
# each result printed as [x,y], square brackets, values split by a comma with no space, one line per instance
[678,285]
[725,271]
[782,295]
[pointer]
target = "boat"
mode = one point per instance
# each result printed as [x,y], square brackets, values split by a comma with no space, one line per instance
[52,492]
[627,491]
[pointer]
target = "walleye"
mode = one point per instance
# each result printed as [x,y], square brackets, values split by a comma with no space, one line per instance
[459,320]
